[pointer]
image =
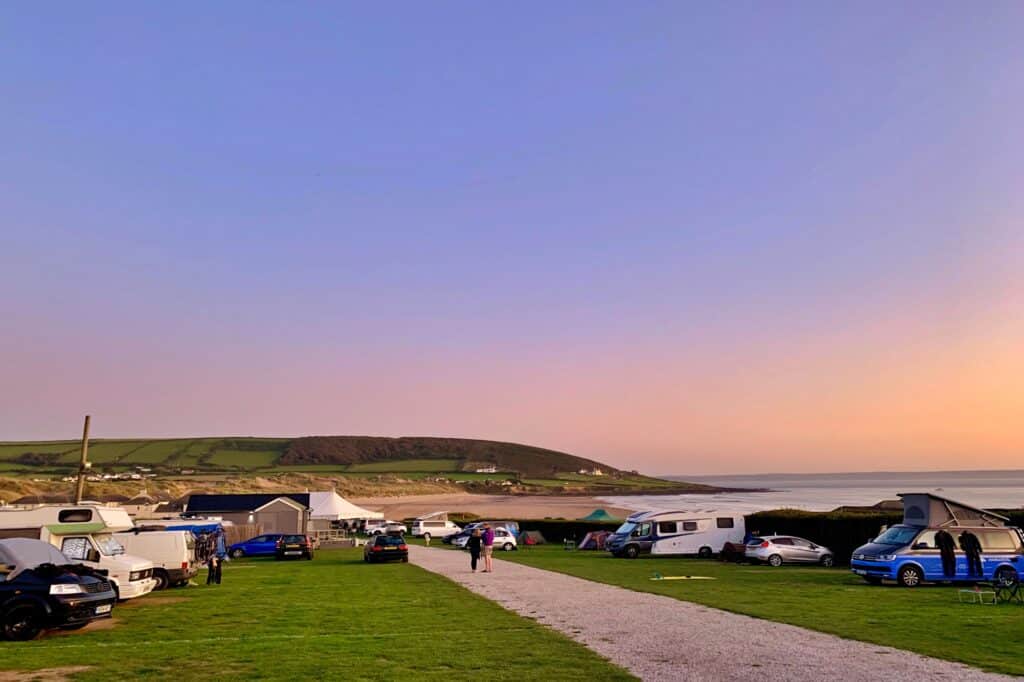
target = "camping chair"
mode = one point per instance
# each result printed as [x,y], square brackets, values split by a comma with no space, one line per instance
[569,544]
[1008,590]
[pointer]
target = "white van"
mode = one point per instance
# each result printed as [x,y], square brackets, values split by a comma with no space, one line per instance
[434,525]
[173,553]
[699,532]
[85,533]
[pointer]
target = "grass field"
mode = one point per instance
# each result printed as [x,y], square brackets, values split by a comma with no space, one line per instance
[331,618]
[243,459]
[928,620]
[403,465]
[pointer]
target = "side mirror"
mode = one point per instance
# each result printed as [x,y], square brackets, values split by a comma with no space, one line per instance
[5,570]
[92,556]
[814,546]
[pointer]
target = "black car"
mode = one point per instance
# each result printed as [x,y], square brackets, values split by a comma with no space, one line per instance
[294,547]
[386,548]
[41,590]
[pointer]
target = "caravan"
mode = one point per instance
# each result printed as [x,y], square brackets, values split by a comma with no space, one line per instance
[84,533]
[702,533]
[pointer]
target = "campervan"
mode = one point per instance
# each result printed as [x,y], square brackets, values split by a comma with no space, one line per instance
[85,533]
[909,553]
[702,533]
[434,525]
[173,553]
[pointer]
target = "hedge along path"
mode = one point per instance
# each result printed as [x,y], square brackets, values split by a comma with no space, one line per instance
[661,638]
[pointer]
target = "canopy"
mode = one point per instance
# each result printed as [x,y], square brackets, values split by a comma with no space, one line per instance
[331,505]
[598,515]
[24,553]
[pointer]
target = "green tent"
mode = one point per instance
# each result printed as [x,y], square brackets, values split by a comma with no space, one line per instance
[599,515]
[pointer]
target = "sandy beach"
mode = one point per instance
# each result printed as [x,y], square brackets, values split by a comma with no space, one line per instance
[504,506]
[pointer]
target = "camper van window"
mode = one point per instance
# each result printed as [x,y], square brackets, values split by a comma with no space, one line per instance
[689,525]
[667,527]
[108,545]
[643,530]
[75,548]
[626,528]
[997,540]
[74,515]
[726,522]
[897,535]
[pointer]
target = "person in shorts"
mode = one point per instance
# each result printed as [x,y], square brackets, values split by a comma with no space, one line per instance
[488,539]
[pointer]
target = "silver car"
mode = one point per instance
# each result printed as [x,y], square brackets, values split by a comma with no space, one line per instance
[776,550]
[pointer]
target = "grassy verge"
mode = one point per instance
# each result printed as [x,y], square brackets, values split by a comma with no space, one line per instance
[928,620]
[331,618]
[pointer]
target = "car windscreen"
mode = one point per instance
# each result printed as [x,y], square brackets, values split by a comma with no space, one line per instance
[390,540]
[626,528]
[897,536]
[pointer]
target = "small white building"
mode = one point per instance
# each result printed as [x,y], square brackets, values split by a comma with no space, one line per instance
[487,470]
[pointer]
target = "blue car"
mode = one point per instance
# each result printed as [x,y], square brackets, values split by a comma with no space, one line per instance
[909,555]
[261,545]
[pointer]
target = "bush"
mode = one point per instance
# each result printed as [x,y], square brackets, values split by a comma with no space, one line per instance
[557,530]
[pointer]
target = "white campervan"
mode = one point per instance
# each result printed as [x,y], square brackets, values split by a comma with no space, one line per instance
[173,553]
[85,533]
[434,525]
[699,532]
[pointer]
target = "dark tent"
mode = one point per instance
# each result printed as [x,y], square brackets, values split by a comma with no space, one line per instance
[531,537]
[598,515]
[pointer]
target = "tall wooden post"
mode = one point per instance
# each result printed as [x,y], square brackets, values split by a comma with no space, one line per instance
[83,466]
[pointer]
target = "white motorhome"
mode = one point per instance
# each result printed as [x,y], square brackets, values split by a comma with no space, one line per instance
[85,533]
[699,532]
[434,525]
[173,553]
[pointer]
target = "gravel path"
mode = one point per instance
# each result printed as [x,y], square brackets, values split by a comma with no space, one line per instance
[660,638]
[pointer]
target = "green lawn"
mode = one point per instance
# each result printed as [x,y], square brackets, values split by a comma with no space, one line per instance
[928,620]
[332,618]
[243,459]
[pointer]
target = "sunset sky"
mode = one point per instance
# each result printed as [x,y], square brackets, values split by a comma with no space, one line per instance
[677,237]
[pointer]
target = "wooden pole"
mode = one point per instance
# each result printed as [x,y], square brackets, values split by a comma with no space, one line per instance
[83,466]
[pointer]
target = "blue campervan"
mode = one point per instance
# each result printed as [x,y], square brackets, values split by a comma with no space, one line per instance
[909,554]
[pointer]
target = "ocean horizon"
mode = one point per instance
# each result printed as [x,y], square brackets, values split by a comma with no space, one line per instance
[1002,489]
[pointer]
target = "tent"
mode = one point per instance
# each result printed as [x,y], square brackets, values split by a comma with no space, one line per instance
[598,515]
[331,505]
[594,540]
[532,537]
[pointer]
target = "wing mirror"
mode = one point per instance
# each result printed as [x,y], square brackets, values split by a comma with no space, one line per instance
[5,570]
[93,556]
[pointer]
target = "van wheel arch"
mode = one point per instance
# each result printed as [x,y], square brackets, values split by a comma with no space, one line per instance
[909,575]
[631,551]
[163,581]
[704,552]
[22,621]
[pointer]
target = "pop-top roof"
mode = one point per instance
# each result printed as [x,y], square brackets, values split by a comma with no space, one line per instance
[934,511]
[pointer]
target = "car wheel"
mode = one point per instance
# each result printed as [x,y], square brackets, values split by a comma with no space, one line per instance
[237,553]
[828,561]
[162,580]
[1005,576]
[426,537]
[704,553]
[632,552]
[910,576]
[775,560]
[507,547]
[22,622]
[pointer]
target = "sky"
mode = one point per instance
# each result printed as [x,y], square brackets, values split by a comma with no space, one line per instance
[676,237]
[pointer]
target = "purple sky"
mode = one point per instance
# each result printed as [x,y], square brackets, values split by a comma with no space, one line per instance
[728,238]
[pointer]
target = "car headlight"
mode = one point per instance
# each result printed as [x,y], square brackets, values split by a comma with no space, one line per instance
[886,557]
[65,588]
[135,575]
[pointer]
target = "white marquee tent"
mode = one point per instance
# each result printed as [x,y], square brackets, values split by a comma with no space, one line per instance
[331,505]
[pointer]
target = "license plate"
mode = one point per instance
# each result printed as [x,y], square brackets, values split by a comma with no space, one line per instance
[293,552]
[859,572]
[102,608]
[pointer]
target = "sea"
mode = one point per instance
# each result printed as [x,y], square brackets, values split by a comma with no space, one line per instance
[824,492]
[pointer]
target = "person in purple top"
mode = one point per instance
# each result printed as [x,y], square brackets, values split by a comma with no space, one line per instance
[488,548]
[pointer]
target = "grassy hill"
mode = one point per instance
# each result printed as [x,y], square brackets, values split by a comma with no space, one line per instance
[413,459]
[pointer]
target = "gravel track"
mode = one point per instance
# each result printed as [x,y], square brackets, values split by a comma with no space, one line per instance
[660,638]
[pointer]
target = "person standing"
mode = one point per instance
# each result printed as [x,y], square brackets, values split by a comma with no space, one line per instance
[213,569]
[947,548]
[488,541]
[474,545]
[971,546]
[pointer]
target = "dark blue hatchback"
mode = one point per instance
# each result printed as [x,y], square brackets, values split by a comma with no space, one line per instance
[261,545]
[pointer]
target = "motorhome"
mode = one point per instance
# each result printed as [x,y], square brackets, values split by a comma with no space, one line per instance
[700,532]
[434,525]
[173,553]
[85,533]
